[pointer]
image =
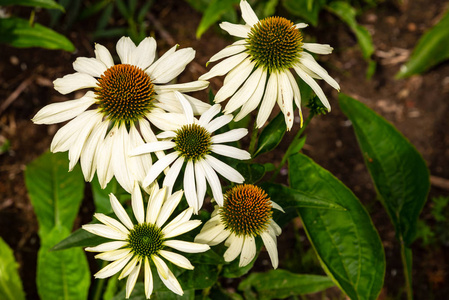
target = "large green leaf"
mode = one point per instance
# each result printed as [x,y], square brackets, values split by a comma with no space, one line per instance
[306,9]
[61,274]
[50,4]
[432,48]
[398,170]
[55,193]
[80,238]
[19,33]
[279,284]
[271,135]
[10,284]
[213,13]
[346,242]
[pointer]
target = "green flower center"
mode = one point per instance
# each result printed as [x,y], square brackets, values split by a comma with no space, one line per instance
[274,44]
[145,239]
[124,93]
[192,141]
[246,210]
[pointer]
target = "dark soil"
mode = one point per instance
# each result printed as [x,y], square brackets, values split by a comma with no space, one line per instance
[417,106]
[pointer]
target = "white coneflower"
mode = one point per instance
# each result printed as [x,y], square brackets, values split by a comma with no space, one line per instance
[245,214]
[258,67]
[125,97]
[194,143]
[136,246]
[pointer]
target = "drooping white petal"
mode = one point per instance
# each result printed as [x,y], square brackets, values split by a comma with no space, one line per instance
[315,87]
[171,66]
[248,13]
[271,248]
[144,54]
[180,229]
[248,251]
[111,222]
[168,102]
[113,255]
[234,249]
[213,180]
[201,187]
[152,147]
[132,279]
[161,266]
[113,268]
[236,29]
[255,98]
[179,220]
[108,246]
[177,259]
[187,247]
[120,212]
[190,186]
[296,94]
[285,99]
[223,235]
[137,204]
[90,150]
[229,136]
[318,48]
[90,66]
[172,174]
[105,231]
[125,48]
[231,86]
[64,111]
[169,206]
[224,66]
[277,229]
[309,62]
[148,278]
[209,114]
[301,25]
[224,170]
[73,82]
[219,122]
[120,159]
[182,87]
[169,279]
[141,164]
[103,54]
[103,159]
[206,236]
[228,51]
[155,204]
[268,101]
[149,136]
[277,206]
[158,167]
[129,267]
[230,151]
[167,121]
[186,107]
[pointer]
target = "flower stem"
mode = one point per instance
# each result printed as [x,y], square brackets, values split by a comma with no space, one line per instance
[252,144]
[99,286]
[292,144]
[406,256]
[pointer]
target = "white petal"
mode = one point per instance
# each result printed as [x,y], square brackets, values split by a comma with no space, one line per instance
[169,206]
[277,206]
[161,266]
[113,255]
[155,205]
[241,74]
[139,165]
[166,135]
[309,62]
[63,111]
[169,67]
[209,114]
[89,152]
[271,248]
[187,247]
[201,187]
[206,236]
[189,187]
[168,102]
[108,246]
[318,48]
[172,174]
[220,237]
[248,251]
[158,167]
[113,268]
[137,204]
[152,147]
[180,229]
[277,230]
[120,159]
[230,136]
[103,54]
[177,259]
[167,121]
[234,249]
[236,29]
[120,212]
[129,267]
[169,280]
[248,13]
[226,171]
[228,51]
[111,222]
[125,48]
[90,66]
[230,151]
[219,122]
[213,180]
[296,93]
[149,136]
[182,87]
[103,159]
[148,279]
[132,279]
[255,98]
[315,87]
[301,25]
[224,66]
[105,231]
[73,82]
[285,99]
[144,54]
[186,107]
[268,100]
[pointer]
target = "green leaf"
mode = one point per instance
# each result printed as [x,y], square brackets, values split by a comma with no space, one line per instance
[19,33]
[398,170]
[308,10]
[55,193]
[271,135]
[63,274]
[80,238]
[252,172]
[432,48]
[288,197]
[213,13]
[346,242]
[347,14]
[50,4]
[279,284]
[101,196]
[10,283]
[202,277]
[296,146]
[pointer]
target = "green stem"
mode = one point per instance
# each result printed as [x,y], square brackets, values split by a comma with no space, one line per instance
[252,144]
[287,153]
[406,264]
[100,283]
